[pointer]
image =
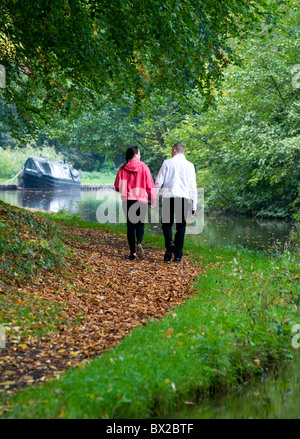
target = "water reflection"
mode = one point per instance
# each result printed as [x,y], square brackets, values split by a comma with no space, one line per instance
[51,201]
[275,396]
[219,230]
[252,233]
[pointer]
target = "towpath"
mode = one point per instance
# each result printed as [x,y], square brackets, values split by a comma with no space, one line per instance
[102,297]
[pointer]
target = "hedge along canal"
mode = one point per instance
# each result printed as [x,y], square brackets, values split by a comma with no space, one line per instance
[237,326]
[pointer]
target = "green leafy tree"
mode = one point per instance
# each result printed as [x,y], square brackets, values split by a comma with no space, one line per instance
[109,131]
[60,55]
[248,148]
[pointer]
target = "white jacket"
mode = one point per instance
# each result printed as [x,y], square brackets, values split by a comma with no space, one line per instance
[177,176]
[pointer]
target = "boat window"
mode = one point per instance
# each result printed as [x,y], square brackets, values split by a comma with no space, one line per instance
[28,164]
[31,166]
[45,168]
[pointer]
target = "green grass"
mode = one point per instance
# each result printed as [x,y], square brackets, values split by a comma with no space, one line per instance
[101,177]
[238,324]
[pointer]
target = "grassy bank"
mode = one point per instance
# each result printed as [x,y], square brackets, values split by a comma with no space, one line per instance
[101,177]
[28,244]
[237,325]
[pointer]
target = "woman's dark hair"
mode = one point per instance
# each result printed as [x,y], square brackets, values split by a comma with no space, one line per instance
[131,151]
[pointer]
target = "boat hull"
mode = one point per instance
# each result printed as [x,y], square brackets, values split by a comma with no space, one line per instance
[46,182]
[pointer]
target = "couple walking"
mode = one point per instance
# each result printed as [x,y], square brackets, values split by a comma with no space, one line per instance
[177,179]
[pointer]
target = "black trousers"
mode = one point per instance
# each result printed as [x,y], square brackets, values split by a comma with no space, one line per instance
[135,213]
[174,209]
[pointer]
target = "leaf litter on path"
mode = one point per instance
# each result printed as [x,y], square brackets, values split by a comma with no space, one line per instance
[102,297]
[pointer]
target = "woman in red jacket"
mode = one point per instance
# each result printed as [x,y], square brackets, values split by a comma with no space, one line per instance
[135,183]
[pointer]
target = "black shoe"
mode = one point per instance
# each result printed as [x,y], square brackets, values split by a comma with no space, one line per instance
[169,252]
[132,256]
[177,260]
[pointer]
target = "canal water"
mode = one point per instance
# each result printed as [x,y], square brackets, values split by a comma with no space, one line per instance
[274,395]
[214,230]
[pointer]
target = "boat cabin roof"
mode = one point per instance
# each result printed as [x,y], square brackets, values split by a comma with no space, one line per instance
[56,169]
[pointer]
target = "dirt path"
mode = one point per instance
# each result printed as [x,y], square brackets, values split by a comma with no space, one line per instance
[104,297]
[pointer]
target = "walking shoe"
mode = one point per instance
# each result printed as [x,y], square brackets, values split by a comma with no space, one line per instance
[177,260]
[140,251]
[169,252]
[132,256]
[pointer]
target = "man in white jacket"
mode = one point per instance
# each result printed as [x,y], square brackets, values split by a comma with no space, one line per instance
[178,179]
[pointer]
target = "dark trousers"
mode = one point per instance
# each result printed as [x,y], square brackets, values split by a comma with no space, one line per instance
[135,213]
[174,209]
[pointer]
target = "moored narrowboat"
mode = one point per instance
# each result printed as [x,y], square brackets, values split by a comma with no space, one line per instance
[39,173]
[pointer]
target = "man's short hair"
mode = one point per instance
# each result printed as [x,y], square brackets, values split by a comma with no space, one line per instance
[179,147]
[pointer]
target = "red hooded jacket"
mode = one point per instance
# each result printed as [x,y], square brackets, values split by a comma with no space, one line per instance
[134,181]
